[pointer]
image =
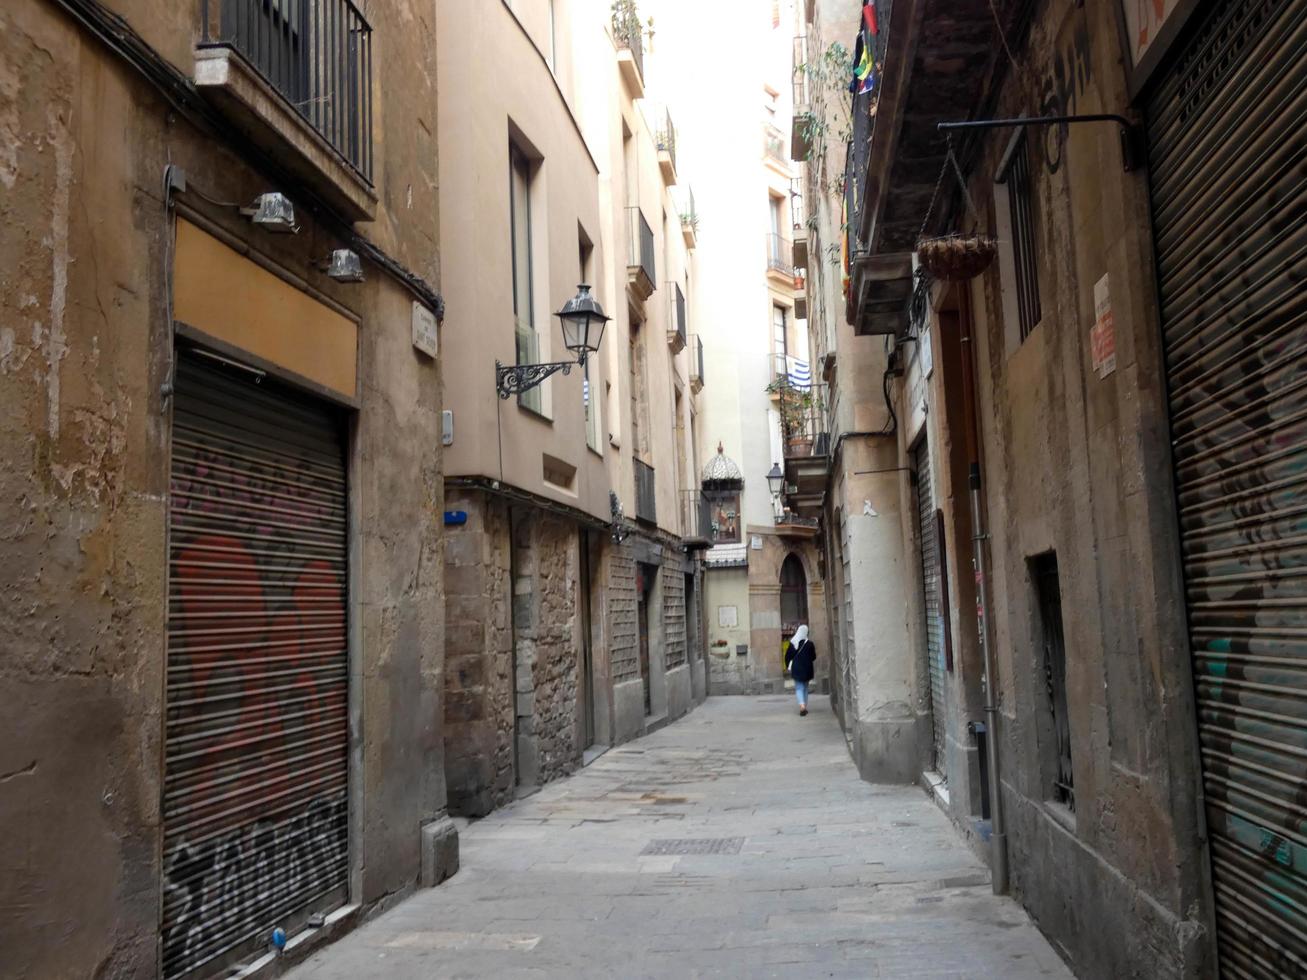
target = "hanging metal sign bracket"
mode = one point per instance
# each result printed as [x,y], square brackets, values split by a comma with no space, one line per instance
[1132,144]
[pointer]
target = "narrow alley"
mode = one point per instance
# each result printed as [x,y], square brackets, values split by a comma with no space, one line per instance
[780,862]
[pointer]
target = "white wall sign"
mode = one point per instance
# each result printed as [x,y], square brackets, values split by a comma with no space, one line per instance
[426,337]
[755,542]
[728,616]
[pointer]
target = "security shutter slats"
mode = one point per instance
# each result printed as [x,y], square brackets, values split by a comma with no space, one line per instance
[256,737]
[1228,170]
[934,624]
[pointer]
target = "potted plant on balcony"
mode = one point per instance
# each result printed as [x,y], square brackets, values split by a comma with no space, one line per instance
[795,405]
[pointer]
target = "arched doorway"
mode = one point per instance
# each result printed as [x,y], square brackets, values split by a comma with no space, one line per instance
[794,596]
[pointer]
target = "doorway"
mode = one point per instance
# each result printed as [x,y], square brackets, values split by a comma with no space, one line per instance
[586,688]
[644,576]
[794,596]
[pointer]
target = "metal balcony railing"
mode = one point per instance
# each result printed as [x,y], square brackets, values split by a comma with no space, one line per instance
[773,143]
[696,362]
[780,255]
[675,318]
[804,420]
[696,515]
[798,216]
[645,493]
[628,32]
[316,53]
[860,151]
[666,138]
[640,248]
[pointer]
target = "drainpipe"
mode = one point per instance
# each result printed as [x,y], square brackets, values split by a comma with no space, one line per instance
[980,556]
[998,833]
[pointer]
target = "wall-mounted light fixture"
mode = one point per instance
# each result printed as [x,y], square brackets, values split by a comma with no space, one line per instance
[776,481]
[274,212]
[583,323]
[344,266]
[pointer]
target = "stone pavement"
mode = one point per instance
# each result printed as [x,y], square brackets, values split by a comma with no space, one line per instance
[796,868]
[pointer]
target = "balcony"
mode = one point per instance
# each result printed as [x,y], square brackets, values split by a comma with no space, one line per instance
[773,147]
[639,254]
[666,140]
[645,493]
[801,119]
[792,525]
[696,363]
[628,35]
[800,295]
[799,222]
[806,429]
[296,77]
[780,254]
[690,221]
[675,318]
[696,519]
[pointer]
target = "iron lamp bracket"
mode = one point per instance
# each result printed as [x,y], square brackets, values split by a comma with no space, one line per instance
[513,379]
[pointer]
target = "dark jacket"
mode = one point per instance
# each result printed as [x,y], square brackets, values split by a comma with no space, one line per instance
[801,661]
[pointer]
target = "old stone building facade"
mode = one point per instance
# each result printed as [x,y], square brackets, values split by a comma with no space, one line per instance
[574,623]
[1088,456]
[223,603]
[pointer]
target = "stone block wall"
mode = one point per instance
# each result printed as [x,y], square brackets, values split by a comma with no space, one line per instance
[478,650]
[555,647]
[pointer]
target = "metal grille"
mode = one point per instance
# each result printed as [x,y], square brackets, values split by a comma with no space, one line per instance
[256,738]
[645,492]
[640,247]
[934,617]
[1228,175]
[1020,211]
[692,845]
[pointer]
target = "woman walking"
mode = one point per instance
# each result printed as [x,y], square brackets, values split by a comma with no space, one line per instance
[799,660]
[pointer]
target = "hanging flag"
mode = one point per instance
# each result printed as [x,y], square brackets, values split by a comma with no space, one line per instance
[869,18]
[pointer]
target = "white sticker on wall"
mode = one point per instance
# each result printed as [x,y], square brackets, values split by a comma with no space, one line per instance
[728,616]
[755,542]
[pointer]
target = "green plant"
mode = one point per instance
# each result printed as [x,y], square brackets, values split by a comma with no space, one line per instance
[691,219]
[794,404]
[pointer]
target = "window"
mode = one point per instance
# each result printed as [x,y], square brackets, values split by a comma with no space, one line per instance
[1015,176]
[589,397]
[639,394]
[1056,746]
[519,195]
[779,333]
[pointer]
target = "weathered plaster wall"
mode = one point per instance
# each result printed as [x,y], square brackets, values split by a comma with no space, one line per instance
[84,350]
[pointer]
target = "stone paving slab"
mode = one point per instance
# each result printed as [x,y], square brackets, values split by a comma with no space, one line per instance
[833,877]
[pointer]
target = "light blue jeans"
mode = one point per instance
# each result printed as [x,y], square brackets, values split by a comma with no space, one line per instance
[801,692]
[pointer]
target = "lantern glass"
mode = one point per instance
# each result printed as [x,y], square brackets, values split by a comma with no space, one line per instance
[775,479]
[583,322]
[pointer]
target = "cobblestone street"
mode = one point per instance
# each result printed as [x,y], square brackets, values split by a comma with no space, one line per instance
[737,842]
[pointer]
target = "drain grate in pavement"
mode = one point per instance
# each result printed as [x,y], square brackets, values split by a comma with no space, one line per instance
[695,845]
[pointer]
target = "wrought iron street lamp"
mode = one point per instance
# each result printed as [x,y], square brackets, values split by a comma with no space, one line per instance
[775,480]
[583,323]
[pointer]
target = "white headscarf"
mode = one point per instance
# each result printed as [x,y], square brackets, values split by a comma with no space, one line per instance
[800,635]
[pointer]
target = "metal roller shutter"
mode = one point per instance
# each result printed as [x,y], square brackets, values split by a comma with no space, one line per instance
[1228,148]
[930,591]
[256,737]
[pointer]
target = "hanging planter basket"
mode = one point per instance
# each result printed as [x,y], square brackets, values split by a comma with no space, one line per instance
[956,258]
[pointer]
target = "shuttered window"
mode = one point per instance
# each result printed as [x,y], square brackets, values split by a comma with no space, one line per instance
[1228,171]
[255,806]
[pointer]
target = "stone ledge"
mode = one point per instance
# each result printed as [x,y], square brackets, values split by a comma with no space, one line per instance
[262,114]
